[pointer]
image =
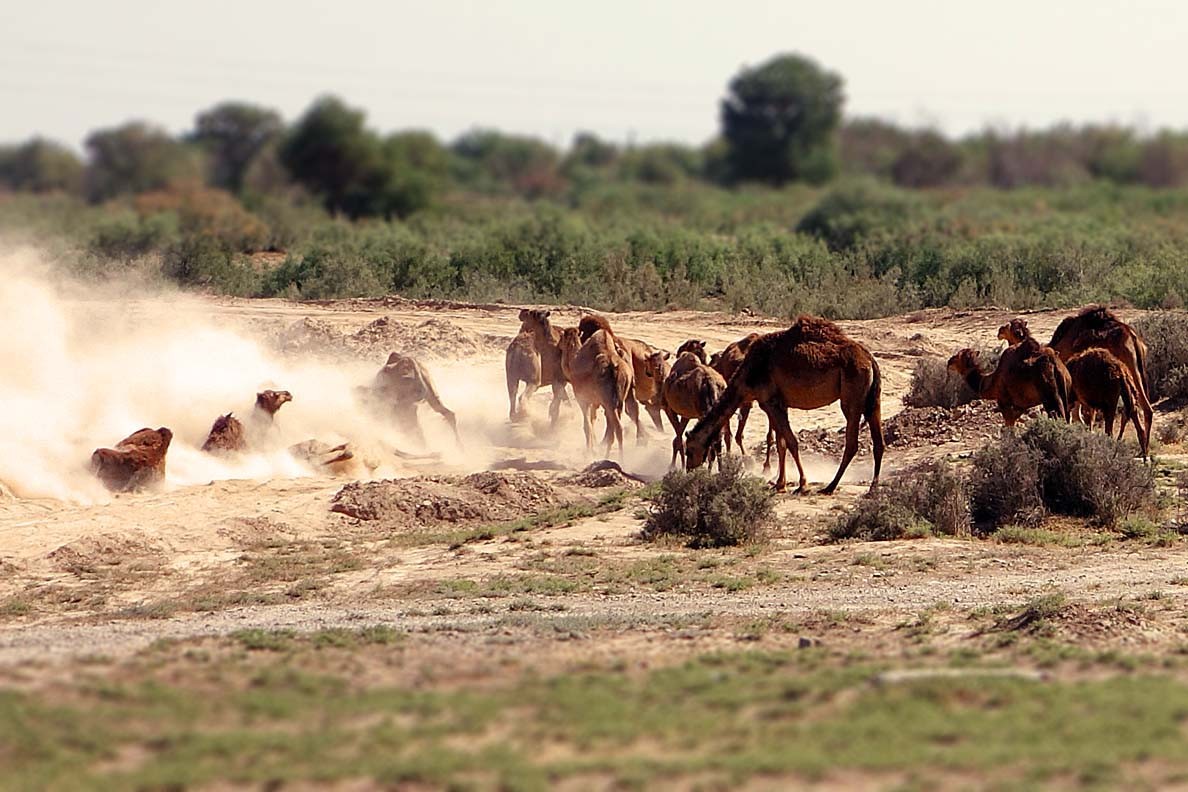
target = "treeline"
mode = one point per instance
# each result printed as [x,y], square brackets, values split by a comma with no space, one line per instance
[789,209]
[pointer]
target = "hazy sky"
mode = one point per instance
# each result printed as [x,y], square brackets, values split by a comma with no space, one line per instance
[626,70]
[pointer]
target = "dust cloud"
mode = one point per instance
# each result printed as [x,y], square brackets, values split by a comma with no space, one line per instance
[83,366]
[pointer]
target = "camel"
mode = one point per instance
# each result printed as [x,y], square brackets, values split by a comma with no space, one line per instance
[137,461]
[338,460]
[228,434]
[401,385]
[726,363]
[689,391]
[809,365]
[1099,379]
[1027,375]
[545,340]
[601,377]
[1097,327]
[521,363]
[646,390]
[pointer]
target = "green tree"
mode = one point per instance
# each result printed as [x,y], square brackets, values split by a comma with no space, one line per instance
[928,160]
[40,166]
[137,157]
[490,160]
[779,121]
[234,134]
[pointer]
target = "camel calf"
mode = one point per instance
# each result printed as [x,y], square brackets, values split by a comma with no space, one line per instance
[1098,380]
[1027,375]
[137,461]
[521,363]
[228,434]
[690,390]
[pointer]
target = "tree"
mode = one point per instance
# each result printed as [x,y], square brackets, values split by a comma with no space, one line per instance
[528,166]
[137,157]
[41,166]
[234,134]
[778,120]
[928,160]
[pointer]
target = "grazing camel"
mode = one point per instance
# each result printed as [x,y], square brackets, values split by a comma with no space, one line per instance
[1099,379]
[228,434]
[809,365]
[646,390]
[401,385]
[137,461]
[690,390]
[1027,375]
[521,363]
[1097,327]
[601,377]
[726,363]
[545,340]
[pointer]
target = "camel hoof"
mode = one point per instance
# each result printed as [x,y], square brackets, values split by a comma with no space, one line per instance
[777,487]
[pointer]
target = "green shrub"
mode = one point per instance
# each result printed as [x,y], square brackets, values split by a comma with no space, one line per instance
[1166,335]
[204,262]
[1060,468]
[852,211]
[930,499]
[711,509]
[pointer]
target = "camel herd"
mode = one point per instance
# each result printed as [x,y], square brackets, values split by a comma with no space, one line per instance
[1093,362]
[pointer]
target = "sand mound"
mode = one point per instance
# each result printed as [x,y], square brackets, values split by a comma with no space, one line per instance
[600,475]
[913,427]
[440,500]
[91,554]
[431,338]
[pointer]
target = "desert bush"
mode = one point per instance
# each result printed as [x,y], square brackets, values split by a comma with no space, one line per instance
[930,499]
[204,262]
[1060,468]
[854,210]
[1166,335]
[711,509]
[933,385]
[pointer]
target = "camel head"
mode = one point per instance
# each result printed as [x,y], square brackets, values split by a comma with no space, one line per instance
[272,400]
[570,341]
[964,361]
[655,368]
[694,346]
[532,319]
[1014,331]
[695,450]
[395,357]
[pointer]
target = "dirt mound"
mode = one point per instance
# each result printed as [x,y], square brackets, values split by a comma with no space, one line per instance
[91,554]
[431,338]
[437,500]
[914,427]
[600,475]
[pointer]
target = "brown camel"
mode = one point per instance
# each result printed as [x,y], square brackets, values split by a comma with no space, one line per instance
[1027,375]
[1099,379]
[809,365]
[545,340]
[601,377]
[401,385]
[726,363]
[646,390]
[690,390]
[521,363]
[228,434]
[137,461]
[1097,327]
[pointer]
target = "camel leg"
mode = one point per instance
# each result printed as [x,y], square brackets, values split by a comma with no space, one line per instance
[555,407]
[852,422]
[770,442]
[1108,417]
[743,413]
[654,412]
[434,402]
[678,442]
[588,423]
[513,385]
[777,416]
[875,422]
[525,397]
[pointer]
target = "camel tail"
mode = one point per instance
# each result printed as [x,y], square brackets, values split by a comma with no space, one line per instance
[874,395]
[1140,352]
[1128,397]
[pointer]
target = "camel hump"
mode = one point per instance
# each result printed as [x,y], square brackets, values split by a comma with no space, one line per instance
[590,324]
[816,328]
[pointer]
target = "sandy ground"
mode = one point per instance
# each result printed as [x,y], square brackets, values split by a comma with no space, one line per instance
[210,558]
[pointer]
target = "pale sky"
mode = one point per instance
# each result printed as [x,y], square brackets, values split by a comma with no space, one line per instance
[626,70]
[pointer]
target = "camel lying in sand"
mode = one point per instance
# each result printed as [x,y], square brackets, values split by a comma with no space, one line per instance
[690,391]
[400,387]
[645,390]
[137,461]
[1027,375]
[521,363]
[1097,327]
[809,365]
[228,434]
[546,341]
[601,377]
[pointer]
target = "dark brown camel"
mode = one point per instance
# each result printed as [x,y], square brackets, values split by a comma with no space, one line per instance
[1027,375]
[228,434]
[726,363]
[521,363]
[601,377]
[545,338]
[809,365]
[1099,379]
[1097,327]
[137,461]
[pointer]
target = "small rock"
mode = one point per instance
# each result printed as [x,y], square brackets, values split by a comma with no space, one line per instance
[808,643]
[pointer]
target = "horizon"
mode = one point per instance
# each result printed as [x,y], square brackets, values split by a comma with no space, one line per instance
[625,74]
